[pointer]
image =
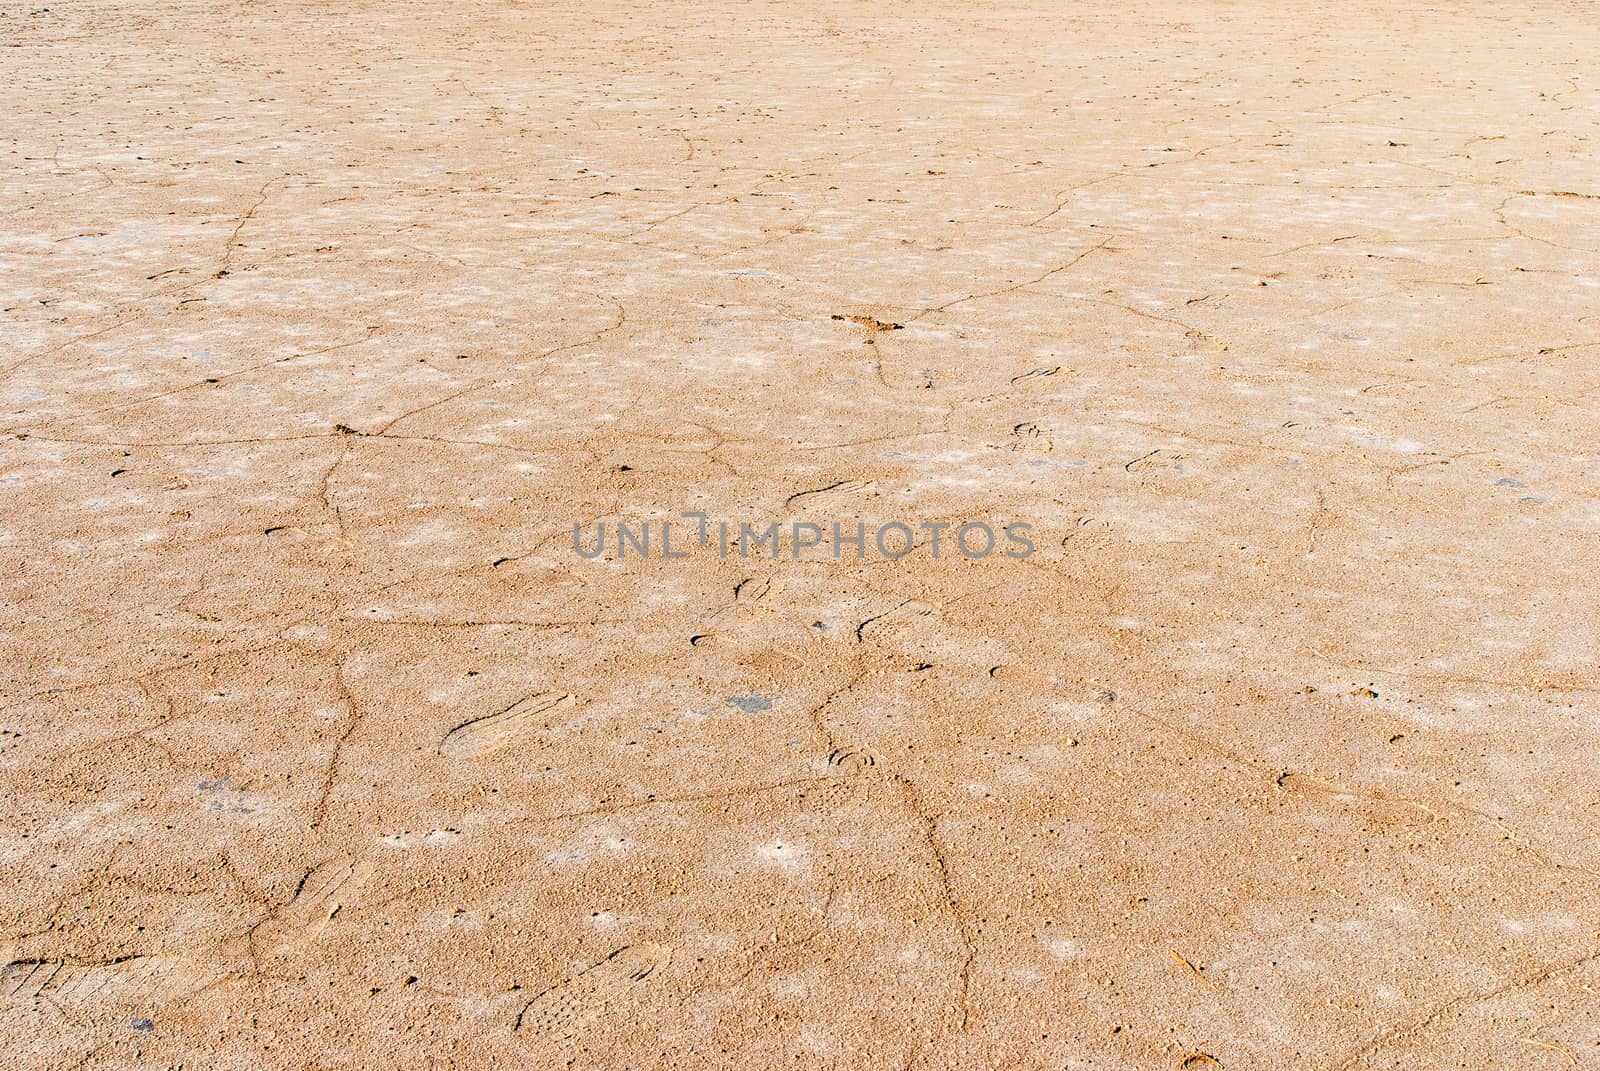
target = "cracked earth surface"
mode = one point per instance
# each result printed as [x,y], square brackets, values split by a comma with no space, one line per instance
[323,324]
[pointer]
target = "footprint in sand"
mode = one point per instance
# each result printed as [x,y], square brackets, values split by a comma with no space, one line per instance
[567,1008]
[1037,373]
[834,496]
[753,589]
[909,616]
[922,631]
[849,760]
[71,985]
[322,892]
[1156,462]
[519,721]
[1030,438]
[1088,535]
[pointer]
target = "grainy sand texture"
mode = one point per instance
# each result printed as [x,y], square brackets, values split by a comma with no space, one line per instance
[1272,326]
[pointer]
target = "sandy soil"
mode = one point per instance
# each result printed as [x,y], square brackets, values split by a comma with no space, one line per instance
[324,324]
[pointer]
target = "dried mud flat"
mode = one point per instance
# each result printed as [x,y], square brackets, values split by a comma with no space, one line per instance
[323,324]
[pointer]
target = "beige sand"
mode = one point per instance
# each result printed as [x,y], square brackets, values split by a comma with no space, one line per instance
[324,323]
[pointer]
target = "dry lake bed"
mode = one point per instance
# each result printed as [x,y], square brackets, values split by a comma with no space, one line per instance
[817,535]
